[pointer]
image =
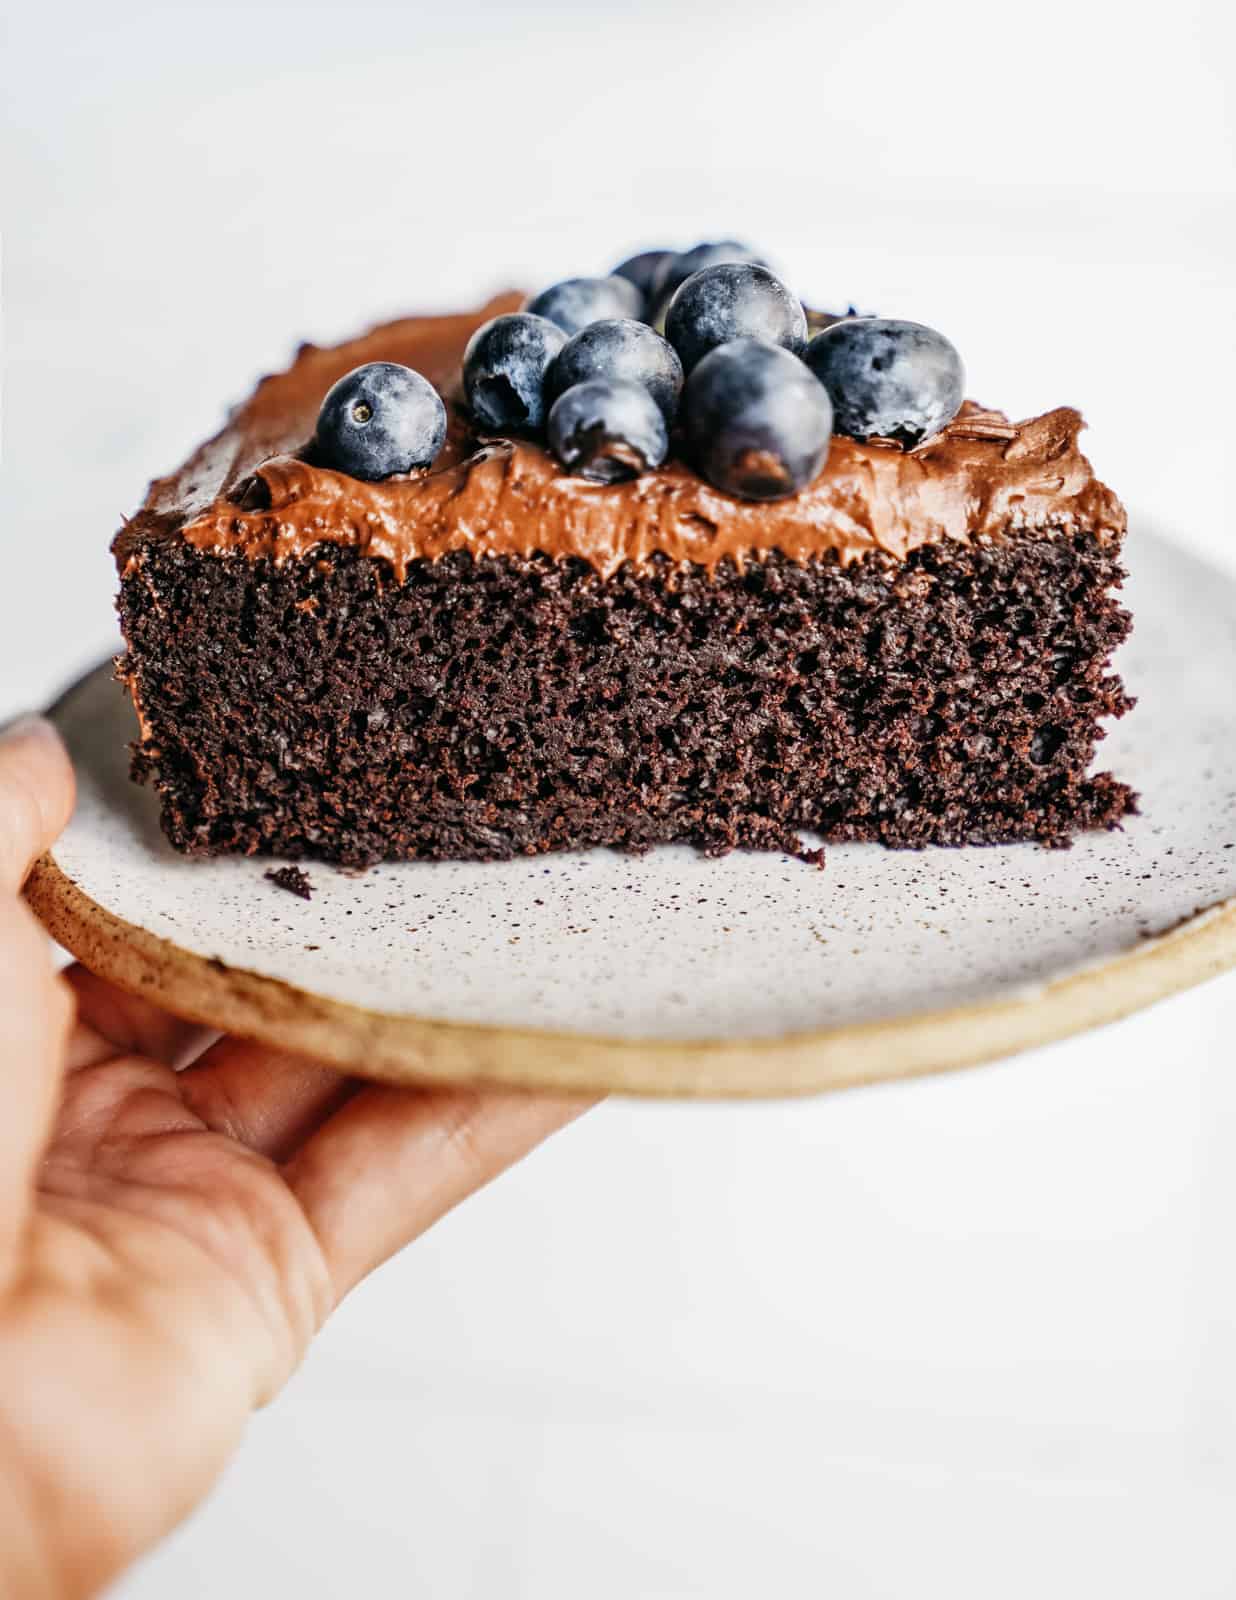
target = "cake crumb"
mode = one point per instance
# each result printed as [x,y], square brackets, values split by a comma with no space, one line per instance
[293,880]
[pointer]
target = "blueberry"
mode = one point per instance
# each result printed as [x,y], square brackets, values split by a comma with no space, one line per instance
[620,348]
[735,300]
[504,370]
[680,267]
[642,270]
[888,380]
[575,302]
[607,430]
[757,423]
[380,419]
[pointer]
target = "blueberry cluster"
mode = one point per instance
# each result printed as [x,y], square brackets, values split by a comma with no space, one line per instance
[705,347]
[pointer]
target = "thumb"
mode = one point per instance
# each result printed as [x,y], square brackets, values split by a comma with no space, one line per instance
[36,795]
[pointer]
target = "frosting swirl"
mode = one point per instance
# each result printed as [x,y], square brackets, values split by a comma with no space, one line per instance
[255,490]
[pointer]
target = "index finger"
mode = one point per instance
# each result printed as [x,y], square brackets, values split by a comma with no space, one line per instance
[393,1161]
[36,796]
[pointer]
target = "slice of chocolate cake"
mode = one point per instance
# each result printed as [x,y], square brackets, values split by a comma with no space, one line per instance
[492,655]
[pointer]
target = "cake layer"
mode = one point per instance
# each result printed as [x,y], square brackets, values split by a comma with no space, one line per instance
[522,702]
[253,489]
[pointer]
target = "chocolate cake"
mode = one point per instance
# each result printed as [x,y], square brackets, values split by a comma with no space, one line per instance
[492,655]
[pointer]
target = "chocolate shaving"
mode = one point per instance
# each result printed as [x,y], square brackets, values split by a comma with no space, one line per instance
[981,425]
[251,494]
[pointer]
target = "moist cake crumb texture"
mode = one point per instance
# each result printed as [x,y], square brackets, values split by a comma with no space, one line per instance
[485,708]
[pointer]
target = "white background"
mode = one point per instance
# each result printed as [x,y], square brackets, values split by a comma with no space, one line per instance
[969,1337]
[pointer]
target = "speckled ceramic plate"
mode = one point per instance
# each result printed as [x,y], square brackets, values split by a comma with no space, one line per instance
[673,974]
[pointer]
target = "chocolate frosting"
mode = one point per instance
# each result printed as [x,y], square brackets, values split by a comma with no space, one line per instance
[254,488]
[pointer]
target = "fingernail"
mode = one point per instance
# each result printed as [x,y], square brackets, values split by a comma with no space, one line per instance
[29,726]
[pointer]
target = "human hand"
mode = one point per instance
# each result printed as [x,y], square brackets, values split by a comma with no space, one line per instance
[170,1240]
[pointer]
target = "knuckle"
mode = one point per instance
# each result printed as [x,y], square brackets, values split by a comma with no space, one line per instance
[208,1097]
[463,1136]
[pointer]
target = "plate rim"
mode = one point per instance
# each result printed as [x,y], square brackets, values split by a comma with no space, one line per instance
[404,1048]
